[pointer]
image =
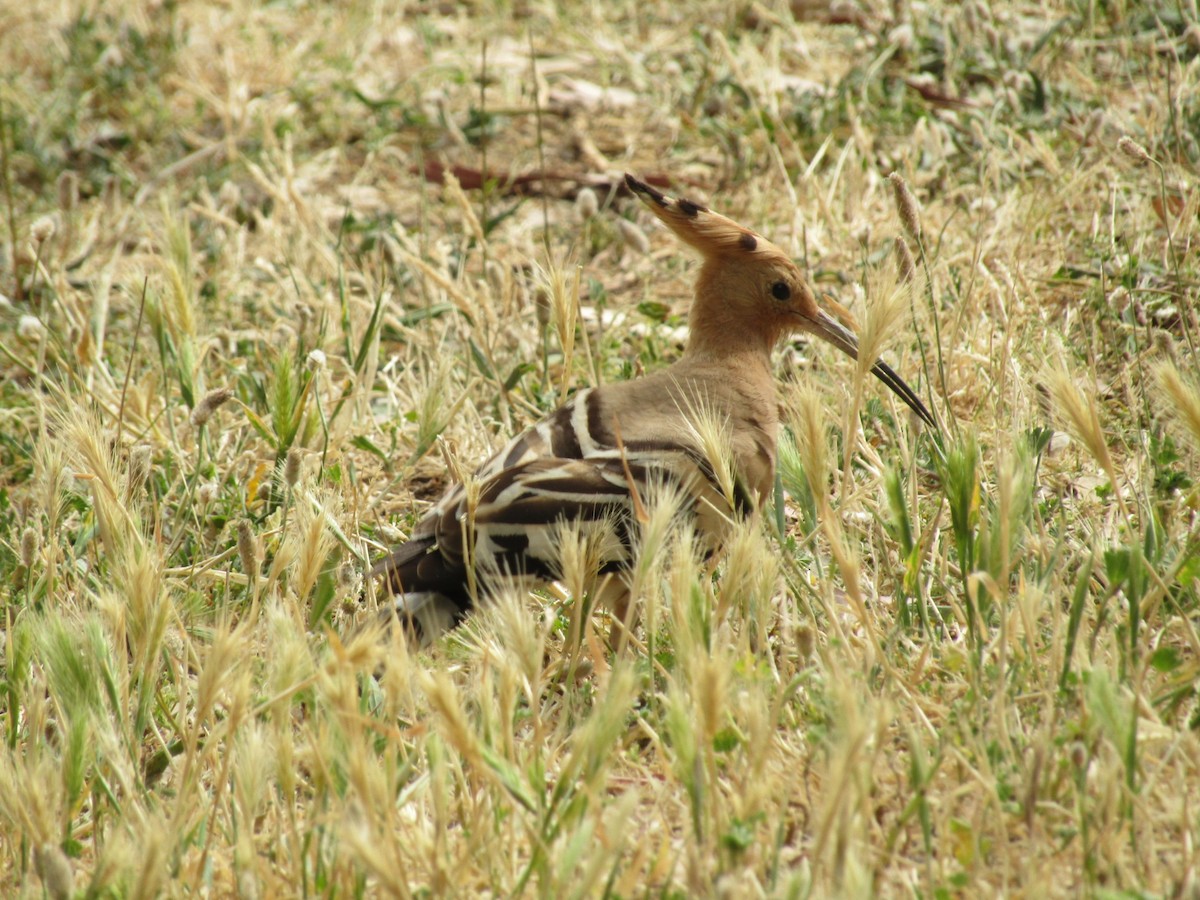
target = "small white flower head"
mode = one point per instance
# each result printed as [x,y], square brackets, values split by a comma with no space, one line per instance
[30,328]
[316,360]
[902,37]
[207,492]
[111,58]
[586,203]
[542,306]
[42,230]
[230,195]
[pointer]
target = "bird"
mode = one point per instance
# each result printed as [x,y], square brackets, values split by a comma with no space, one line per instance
[595,461]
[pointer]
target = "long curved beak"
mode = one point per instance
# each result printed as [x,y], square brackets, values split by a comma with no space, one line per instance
[830,329]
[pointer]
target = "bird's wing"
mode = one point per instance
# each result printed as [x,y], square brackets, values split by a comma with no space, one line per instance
[518,518]
[639,420]
[510,524]
[564,434]
[571,462]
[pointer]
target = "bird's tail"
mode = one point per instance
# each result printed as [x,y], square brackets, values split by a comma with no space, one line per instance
[424,595]
[424,615]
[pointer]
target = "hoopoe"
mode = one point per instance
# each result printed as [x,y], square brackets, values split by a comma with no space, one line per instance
[593,460]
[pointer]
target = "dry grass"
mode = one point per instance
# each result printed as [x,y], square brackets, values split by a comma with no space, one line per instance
[968,668]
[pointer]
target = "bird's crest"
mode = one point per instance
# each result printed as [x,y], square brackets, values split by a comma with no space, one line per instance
[711,233]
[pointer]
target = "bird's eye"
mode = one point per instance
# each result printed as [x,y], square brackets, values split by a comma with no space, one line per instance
[780,290]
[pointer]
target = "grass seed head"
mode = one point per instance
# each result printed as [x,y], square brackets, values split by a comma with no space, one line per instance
[292,466]
[522,636]
[906,204]
[304,315]
[592,745]
[1081,414]
[633,236]
[254,749]
[445,698]
[150,857]
[887,303]
[542,307]
[68,191]
[221,674]
[141,459]
[710,688]
[290,662]
[1134,150]
[212,401]
[31,790]
[584,548]
[1184,397]
[710,430]
[247,547]
[806,641]
[313,544]
[497,278]
[54,868]
[563,302]
[751,571]
[89,448]
[30,328]
[29,546]
[811,443]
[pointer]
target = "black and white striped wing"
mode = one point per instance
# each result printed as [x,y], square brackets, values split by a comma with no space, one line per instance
[568,469]
[564,434]
[513,524]
[516,524]
[428,561]
[582,429]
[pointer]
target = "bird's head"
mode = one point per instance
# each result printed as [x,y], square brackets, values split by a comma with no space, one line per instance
[750,293]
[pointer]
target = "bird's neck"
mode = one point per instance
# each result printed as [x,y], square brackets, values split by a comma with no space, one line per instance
[719,332]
